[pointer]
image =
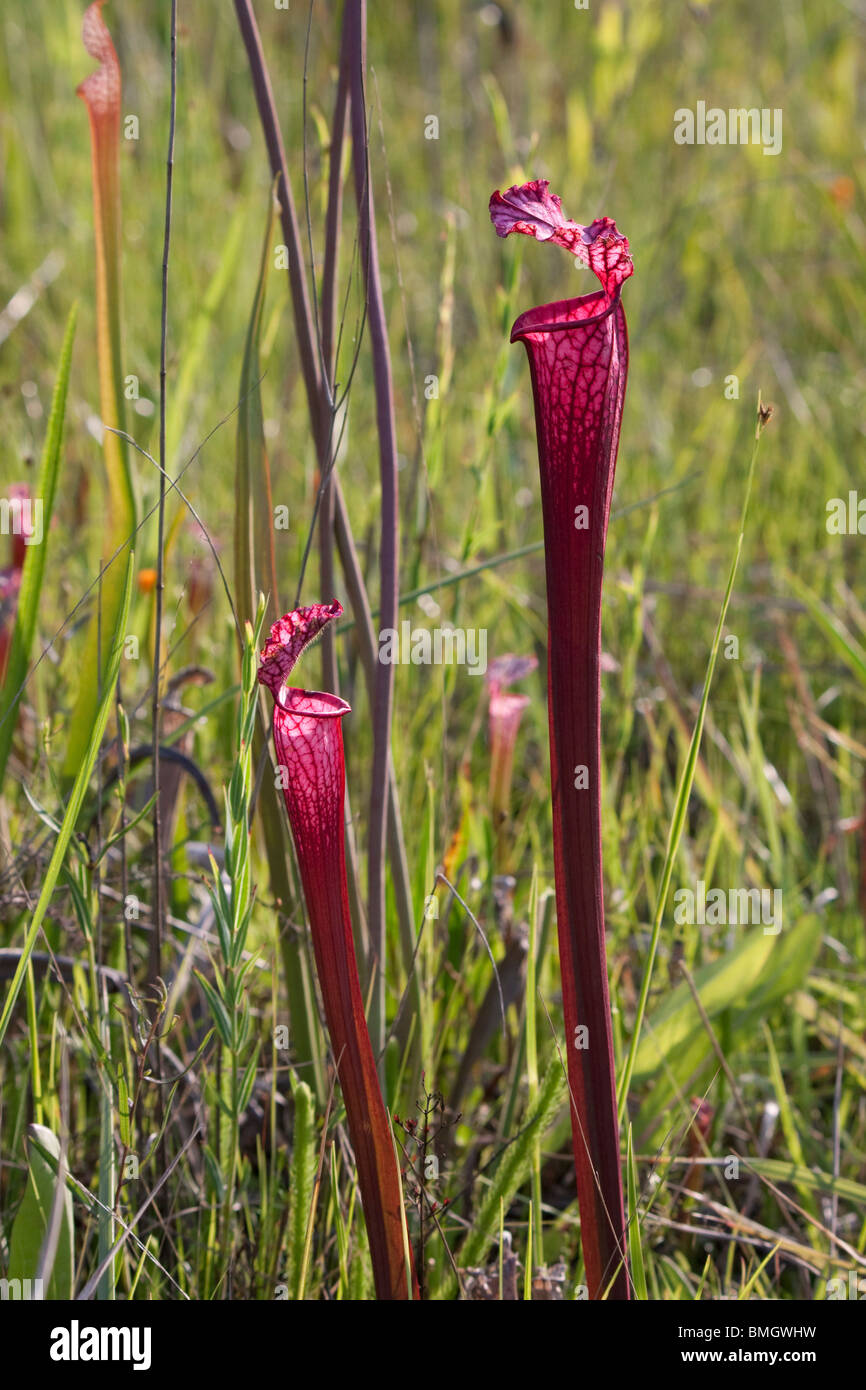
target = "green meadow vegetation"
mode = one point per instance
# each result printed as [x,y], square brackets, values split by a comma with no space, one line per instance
[170,1101]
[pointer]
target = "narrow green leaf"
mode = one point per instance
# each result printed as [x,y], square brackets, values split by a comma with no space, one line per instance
[36,558]
[638,1273]
[76,799]
[776,1170]
[218,1009]
[214,1173]
[843,643]
[515,1165]
[684,789]
[254,554]
[246,1086]
[758,971]
[34,1217]
[301,1183]
[127,826]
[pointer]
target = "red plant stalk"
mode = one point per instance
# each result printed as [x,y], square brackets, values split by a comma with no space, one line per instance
[309,745]
[578,358]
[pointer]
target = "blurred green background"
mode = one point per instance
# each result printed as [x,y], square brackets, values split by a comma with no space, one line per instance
[746,266]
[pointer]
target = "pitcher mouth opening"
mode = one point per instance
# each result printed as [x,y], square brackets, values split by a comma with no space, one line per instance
[311,704]
[559,316]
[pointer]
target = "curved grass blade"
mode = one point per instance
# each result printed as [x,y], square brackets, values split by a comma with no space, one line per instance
[845,645]
[687,778]
[515,1166]
[35,560]
[34,1217]
[76,798]
[638,1273]
[192,352]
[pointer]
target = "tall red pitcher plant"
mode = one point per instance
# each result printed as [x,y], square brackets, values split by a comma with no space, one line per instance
[578,359]
[308,739]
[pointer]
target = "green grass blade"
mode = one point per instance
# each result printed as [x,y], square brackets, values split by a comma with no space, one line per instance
[34,1217]
[638,1273]
[76,798]
[750,977]
[193,348]
[684,789]
[302,1180]
[777,1170]
[741,987]
[845,646]
[107,1173]
[746,1291]
[34,564]
[254,555]
[514,1166]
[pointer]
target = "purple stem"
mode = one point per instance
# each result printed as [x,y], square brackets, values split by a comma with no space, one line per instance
[383,695]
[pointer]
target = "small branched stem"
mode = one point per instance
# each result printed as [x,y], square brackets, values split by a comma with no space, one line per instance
[417,1166]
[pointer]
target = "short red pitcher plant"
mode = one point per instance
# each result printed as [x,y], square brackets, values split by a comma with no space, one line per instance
[308,738]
